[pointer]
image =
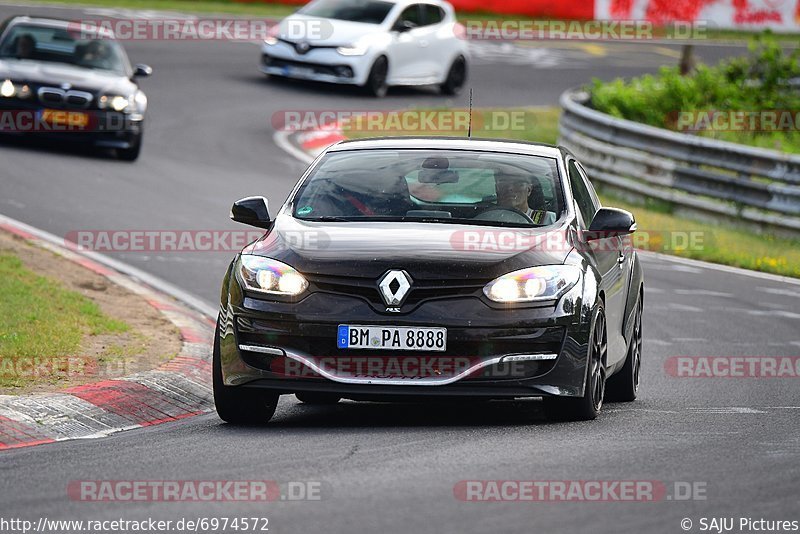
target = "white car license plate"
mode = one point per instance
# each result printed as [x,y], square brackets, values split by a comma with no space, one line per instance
[300,72]
[392,338]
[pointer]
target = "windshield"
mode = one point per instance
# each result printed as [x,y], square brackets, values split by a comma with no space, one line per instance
[465,187]
[42,43]
[367,11]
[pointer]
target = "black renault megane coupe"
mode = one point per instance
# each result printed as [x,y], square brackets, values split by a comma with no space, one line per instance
[70,81]
[432,268]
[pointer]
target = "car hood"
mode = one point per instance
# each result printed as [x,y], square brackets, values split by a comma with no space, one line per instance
[329,32]
[424,250]
[42,72]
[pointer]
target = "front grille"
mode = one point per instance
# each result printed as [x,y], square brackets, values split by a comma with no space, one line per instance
[61,98]
[421,290]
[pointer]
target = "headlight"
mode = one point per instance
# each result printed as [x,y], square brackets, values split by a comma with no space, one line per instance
[271,40]
[548,282]
[7,89]
[117,103]
[270,276]
[355,50]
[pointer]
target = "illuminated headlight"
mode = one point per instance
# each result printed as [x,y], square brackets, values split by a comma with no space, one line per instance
[270,276]
[355,50]
[116,102]
[7,89]
[548,282]
[272,36]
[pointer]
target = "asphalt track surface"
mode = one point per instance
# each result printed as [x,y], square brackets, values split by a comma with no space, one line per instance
[393,467]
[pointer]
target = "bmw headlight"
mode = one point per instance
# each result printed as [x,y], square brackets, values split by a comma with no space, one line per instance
[270,276]
[9,89]
[547,282]
[123,104]
[358,49]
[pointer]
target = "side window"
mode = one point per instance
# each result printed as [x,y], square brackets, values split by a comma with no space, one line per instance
[410,14]
[433,14]
[589,185]
[583,198]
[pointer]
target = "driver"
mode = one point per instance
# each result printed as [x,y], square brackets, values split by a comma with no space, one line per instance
[513,191]
[96,54]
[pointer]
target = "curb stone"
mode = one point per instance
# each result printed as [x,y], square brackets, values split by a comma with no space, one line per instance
[175,390]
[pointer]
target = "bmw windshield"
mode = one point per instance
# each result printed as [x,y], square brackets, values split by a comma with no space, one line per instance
[463,187]
[59,45]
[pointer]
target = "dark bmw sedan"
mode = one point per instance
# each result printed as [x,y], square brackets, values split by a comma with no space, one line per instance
[432,269]
[64,80]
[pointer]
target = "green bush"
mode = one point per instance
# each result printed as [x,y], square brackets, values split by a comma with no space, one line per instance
[760,81]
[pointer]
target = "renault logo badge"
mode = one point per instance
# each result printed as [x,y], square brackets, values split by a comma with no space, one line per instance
[394,287]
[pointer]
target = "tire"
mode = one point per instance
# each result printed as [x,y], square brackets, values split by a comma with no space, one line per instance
[132,153]
[376,81]
[317,398]
[456,77]
[624,386]
[588,406]
[237,405]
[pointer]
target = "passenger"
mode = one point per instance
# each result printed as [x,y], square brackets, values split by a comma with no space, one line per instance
[26,46]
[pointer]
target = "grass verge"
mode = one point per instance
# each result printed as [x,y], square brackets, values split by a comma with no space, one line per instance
[691,239]
[41,321]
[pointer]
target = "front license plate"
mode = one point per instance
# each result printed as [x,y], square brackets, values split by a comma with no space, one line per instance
[300,72]
[392,338]
[71,119]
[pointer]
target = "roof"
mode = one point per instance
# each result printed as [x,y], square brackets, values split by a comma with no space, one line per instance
[450,143]
[69,25]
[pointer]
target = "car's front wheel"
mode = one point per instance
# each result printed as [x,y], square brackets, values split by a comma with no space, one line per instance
[376,81]
[456,77]
[237,405]
[587,406]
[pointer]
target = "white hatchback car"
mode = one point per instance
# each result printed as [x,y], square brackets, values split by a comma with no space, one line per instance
[371,43]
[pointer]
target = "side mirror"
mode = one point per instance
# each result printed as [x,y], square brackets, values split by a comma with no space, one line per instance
[404,26]
[252,211]
[142,71]
[611,222]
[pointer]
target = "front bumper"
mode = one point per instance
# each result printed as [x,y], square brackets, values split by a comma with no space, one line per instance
[106,129]
[320,65]
[498,353]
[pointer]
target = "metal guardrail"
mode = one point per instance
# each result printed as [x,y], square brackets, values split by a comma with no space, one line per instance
[743,184]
